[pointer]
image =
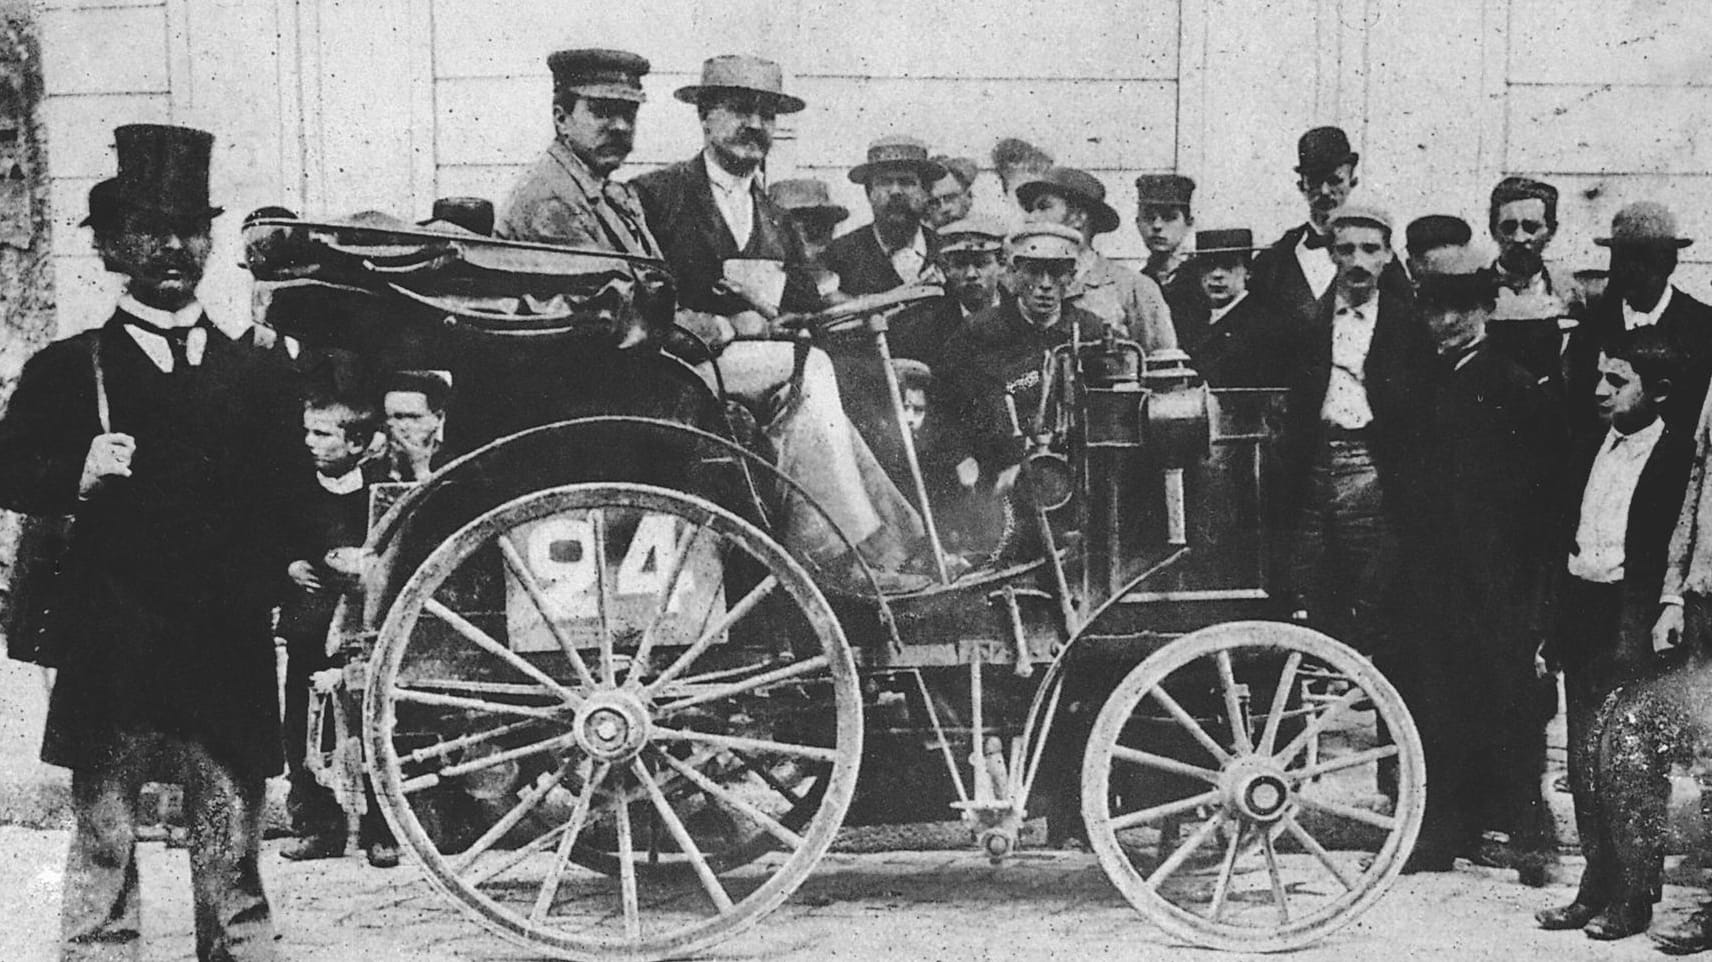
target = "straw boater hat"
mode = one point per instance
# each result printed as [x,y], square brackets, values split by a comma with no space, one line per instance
[897,151]
[740,72]
[1644,223]
[1077,185]
[599,74]
[162,170]
[1219,244]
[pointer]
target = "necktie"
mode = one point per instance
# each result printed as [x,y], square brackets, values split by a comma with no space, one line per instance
[175,337]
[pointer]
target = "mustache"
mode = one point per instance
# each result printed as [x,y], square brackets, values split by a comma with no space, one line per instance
[753,135]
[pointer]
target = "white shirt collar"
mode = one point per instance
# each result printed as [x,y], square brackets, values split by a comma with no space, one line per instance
[1218,313]
[724,180]
[348,483]
[1368,308]
[1639,442]
[1633,318]
[183,317]
[154,345]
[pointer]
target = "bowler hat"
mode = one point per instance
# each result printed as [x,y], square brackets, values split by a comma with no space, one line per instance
[599,74]
[162,169]
[1044,242]
[806,195]
[1322,149]
[740,72]
[973,234]
[1172,190]
[1077,185]
[1645,223]
[897,151]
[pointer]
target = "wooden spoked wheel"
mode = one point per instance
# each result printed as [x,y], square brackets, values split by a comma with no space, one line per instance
[1253,786]
[613,721]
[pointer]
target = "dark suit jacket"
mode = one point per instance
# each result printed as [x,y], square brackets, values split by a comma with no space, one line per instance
[1254,345]
[175,568]
[685,220]
[1686,323]
[1278,277]
[1646,543]
[1398,379]
[862,267]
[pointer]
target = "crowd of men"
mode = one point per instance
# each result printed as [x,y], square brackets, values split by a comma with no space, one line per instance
[1491,474]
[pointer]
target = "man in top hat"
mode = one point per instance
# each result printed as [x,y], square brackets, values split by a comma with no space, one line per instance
[1498,440]
[1354,436]
[950,197]
[174,448]
[711,210]
[1644,244]
[1125,300]
[1296,272]
[971,259]
[1245,343]
[1522,216]
[1166,224]
[897,247]
[814,215]
[567,196]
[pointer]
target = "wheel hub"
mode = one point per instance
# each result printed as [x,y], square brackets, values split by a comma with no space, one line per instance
[1256,787]
[612,726]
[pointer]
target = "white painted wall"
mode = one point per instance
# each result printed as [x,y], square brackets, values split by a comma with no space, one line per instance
[330,106]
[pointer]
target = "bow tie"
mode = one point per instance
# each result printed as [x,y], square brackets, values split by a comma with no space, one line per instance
[1314,240]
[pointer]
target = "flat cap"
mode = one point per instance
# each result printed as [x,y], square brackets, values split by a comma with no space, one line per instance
[1436,230]
[1164,189]
[1044,242]
[1360,214]
[599,74]
[975,233]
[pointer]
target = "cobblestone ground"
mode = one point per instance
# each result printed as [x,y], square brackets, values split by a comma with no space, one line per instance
[893,906]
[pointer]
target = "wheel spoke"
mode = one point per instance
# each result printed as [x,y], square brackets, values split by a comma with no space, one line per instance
[1227,868]
[680,561]
[1157,812]
[734,615]
[1277,878]
[772,780]
[484,641]
[1280,700]
[1139,757]
[441,749]
[1318,724]
[1195,841]
[488,761]
[1233,704]
[591,778]
[792,670]
[472,704]
[1345,761]
[627,873]
[1189,723]
[1313,845]
[531,799]
[686,842]
[718,793]
[741,743]
[532,587]
[603,600]
[1350,812]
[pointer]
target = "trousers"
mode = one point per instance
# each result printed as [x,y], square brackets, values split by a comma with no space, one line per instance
[1345,551]
[101,915]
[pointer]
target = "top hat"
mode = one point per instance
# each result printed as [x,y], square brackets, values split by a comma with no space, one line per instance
[1322,149]
[897,151]
[1645,223]
[806,195]
[1044,242]
[162,169]
[1360,214]
[1172,190]
[1077,185]
[974,234]
[599,74]
[740,72]
[1233,240]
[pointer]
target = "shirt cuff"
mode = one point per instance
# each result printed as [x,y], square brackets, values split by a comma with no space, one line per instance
[1671,600]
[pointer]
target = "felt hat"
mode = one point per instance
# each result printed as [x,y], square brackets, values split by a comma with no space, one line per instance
[1323,149]
[897,151]
[973,234]
[742,72]
[1076,185]
[162,169]
[1644,223]
[1173,190]
[599,74]
[806,195]
[1044,242]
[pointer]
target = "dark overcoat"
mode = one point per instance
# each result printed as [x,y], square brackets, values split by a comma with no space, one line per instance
[1277,277]
[1253,345]
[1686,323]
[862,267]
[172,572]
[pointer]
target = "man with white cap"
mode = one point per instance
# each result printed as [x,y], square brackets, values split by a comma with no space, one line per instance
[1644,244]
[970,258]
[897,247]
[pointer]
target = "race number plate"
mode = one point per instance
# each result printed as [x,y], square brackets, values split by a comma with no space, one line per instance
[641,551]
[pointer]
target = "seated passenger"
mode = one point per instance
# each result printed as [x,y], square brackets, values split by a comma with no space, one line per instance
[706,213]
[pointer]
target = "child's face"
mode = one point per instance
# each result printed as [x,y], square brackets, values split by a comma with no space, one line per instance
[324,435]
[915,408]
